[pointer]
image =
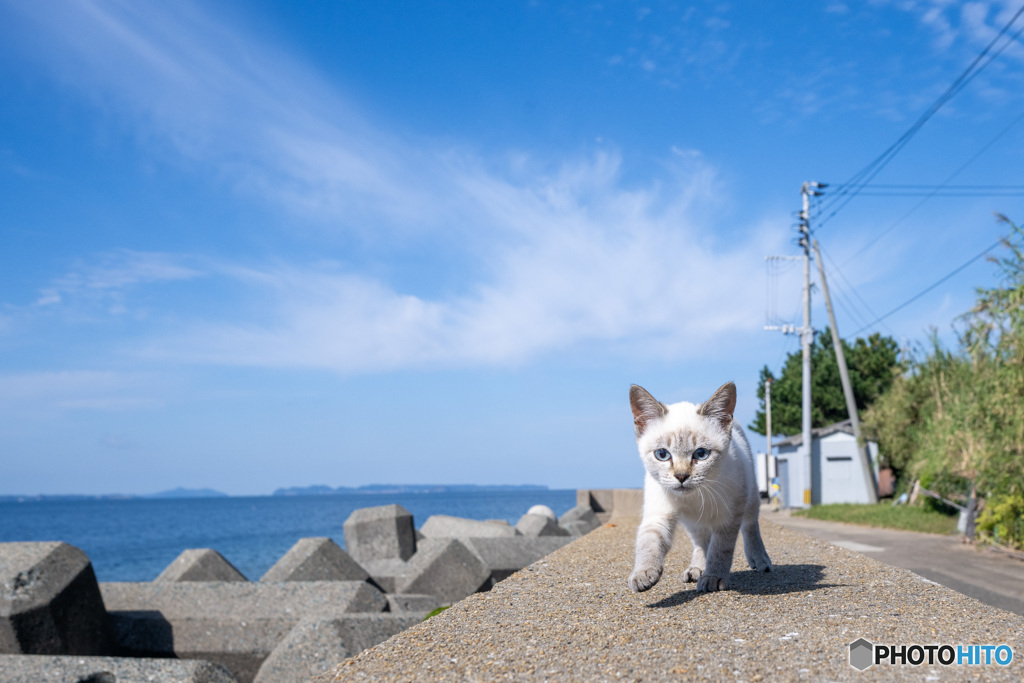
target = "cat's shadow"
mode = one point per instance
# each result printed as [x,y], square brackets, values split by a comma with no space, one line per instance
[783,578]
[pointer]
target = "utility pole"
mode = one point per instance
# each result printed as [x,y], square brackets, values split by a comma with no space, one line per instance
[768,413]
[807,332]
[802,478]
[871,486]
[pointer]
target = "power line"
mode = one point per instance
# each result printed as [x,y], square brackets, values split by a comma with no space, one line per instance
[1003,192]
[980,188]
[845,304]
[945,183]
[845,192]
[838,271]
[932,286]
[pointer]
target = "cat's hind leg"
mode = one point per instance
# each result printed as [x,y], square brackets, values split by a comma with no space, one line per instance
[700,536]
[753,546]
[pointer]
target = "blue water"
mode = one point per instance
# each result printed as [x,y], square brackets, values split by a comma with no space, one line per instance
[134,540]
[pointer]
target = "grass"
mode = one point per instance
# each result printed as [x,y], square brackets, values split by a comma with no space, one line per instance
[885,515]
[435,612]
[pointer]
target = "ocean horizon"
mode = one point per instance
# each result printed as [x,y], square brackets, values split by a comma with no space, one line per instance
[134,539]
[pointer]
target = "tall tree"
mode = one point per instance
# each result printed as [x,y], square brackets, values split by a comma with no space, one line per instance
[872,363]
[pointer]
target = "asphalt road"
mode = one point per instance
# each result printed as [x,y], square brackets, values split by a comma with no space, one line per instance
[983,574]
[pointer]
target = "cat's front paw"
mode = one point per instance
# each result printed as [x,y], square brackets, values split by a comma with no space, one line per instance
[709,583]
[692,574]
[643,578]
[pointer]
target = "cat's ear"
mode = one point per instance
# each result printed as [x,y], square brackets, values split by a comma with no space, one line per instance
[645,407]
[721,405]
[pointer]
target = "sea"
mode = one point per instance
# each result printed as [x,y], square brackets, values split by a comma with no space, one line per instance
[135,539]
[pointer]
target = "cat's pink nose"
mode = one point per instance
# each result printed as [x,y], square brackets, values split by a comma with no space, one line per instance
[682,476]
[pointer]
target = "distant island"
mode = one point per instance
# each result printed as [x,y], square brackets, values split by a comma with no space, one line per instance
[322,490]
[172,493]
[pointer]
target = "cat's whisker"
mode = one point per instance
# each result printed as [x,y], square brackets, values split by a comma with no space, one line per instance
[715,494]
[726,484]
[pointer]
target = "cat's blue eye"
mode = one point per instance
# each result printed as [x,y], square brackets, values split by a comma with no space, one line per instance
[701,454]
[662,454]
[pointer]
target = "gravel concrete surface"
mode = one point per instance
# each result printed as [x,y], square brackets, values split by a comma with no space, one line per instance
[571,616]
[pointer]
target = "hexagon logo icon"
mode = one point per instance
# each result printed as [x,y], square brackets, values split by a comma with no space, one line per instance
[861,654]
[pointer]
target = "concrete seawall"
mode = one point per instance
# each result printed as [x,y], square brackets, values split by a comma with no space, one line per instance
[571,616]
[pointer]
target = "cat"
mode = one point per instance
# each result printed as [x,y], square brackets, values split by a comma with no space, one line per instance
[699,472]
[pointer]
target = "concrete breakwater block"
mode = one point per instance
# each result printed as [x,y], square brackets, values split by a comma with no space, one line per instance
[315,645]
[240,645]
[385,573]
[316,559]
[543,511]
[234,624]
[411,602]
[504,557]
[36,668]
[200,564]
[539,525]
[608,503]
[446,526]
[236,600]
[380,533]
[444,568]
[598,500]
[50,602]
[627,502]
[579,521]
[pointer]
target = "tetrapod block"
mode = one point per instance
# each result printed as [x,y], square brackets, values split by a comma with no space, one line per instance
[200,564]
[50,603]
[316,559]
[384,532]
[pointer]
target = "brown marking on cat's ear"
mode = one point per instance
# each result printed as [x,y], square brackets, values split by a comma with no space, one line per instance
[645,408]
[721,405]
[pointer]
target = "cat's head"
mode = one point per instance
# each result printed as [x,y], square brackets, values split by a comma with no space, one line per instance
[680,444]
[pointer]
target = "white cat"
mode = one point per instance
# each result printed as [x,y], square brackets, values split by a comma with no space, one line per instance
[699,472]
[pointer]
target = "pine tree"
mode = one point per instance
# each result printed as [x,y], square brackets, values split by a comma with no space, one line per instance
[872,363]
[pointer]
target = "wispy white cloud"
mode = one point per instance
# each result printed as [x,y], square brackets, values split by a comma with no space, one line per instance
[266,122]
[564,253]
[594,264]
[49,392]
[972,24]
[112,276]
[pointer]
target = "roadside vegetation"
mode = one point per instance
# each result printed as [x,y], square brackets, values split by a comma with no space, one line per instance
[954,419]
[885,515]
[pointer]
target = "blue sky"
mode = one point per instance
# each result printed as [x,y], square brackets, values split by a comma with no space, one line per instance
[259,244]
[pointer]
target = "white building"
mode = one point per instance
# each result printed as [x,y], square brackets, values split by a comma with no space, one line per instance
[764,468]
[836,474]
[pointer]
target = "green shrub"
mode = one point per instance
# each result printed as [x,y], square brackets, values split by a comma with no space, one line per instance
[1002,521]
